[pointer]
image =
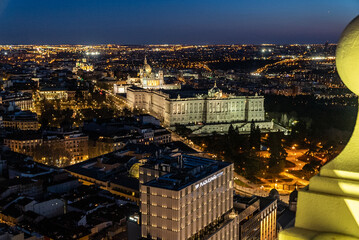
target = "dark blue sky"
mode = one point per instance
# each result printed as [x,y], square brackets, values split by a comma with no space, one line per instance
[173,21]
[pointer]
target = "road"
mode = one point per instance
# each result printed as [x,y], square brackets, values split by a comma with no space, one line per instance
[295,179]
[116,100]
[293,155]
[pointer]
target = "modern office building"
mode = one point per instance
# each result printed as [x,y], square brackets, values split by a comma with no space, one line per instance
[257,217]
[187,197]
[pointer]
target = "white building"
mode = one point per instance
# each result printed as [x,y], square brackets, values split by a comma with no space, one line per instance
[147,79]
[53,93]
[202,112]
[150,79]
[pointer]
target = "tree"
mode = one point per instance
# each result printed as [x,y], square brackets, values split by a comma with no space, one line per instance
[66,119]
[79,96]
[57,103]
[55,155]
[97,148]
[299,132]
[243,142]
[312,148]
[311,168]
[232,140]
[231,132]
[126,112]
[182,130]
[44,123]
[252,166]
[277,153]
[255,137]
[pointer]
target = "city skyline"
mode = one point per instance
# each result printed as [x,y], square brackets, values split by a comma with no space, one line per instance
[166,141]
[172,22]
[174,120]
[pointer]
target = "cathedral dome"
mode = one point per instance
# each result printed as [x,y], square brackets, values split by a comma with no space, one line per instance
[215,91]
[147,68]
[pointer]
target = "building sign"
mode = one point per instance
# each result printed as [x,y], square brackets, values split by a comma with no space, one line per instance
[208,180]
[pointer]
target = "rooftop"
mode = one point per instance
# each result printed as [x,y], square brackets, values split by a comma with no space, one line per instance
[110,167]
[183,171]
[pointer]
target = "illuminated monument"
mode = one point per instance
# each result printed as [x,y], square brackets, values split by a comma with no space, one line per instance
[147,79]
[329,207]
[150,79]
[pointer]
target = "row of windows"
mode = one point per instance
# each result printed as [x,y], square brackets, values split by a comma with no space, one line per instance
[207,215]
[226,107]
[182,108]
[22,142]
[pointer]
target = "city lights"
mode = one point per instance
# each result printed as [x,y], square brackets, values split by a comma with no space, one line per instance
[241,126]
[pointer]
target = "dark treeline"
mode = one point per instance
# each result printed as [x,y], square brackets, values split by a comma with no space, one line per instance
[318,119]
[243,66]
[243,151]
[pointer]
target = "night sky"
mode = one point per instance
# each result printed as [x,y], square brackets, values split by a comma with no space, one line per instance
[170,21]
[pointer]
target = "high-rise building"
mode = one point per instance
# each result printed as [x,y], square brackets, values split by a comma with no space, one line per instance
[187,197]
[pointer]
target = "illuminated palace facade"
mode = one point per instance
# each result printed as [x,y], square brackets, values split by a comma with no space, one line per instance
[202,112]
[187,198]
